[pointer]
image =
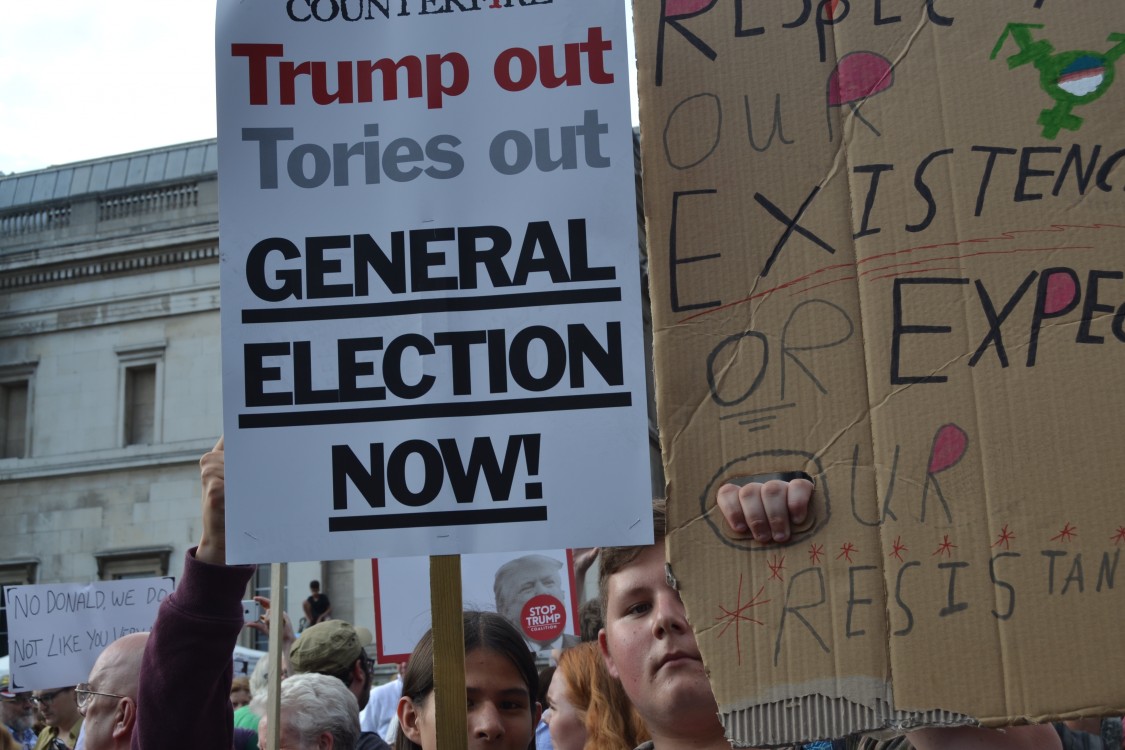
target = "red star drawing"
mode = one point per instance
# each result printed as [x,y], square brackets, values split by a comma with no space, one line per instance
[777,564]
[1005,538]
[736,617]
[846,550]
[899,549]
[1068,532]
[946,547]
[1119,537]
[815,551]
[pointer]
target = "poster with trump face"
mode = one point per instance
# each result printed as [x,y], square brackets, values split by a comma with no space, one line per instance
[535,592]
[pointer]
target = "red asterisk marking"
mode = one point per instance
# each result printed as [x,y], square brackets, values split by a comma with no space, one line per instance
[899,549]
[815,551]
[1119,537]
[777,564]
[736,617]
[1005,538]
[1068,532]
[946,547]
[846,550]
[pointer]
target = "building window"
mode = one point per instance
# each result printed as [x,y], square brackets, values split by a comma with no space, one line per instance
[140,405]
[13,573]
[141,393]
[141,562]
[15,410]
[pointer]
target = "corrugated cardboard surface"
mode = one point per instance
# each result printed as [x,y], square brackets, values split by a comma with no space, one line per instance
[887,249]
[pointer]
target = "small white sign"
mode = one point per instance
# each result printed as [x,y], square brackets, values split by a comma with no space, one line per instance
[57,630]
[534,591]
[431,306]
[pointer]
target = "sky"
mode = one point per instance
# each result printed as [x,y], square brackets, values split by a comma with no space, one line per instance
[82,80]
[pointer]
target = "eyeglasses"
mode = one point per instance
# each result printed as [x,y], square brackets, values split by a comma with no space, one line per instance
[22,698]
[83,695]
[46,698]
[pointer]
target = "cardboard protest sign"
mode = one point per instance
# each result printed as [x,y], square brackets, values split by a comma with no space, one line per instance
[431,307]
[57,630]
[885,246]
[533,591]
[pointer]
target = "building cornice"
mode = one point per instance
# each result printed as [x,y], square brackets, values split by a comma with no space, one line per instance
[53,319]
[104,461]
[90,264]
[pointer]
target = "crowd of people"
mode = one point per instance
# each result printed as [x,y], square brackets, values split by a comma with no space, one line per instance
[636,680]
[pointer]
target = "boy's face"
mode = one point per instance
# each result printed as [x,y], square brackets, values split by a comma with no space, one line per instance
[649,646]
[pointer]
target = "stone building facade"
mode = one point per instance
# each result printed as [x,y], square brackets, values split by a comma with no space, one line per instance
[110,374]
[110,386]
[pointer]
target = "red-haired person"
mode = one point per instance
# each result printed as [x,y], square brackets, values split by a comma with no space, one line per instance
[588,708]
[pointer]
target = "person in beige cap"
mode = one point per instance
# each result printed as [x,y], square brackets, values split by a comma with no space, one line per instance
[336,648]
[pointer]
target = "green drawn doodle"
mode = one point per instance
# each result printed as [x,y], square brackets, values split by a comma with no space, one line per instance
[1070,78]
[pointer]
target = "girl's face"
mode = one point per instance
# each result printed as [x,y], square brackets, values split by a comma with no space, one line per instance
[501,714]
[239,698]
[567,725]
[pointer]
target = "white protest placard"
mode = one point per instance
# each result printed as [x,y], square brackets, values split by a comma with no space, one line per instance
[57,630]
[534,591]
[431,309]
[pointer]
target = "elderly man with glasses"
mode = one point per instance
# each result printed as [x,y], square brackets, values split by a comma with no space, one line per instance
[18,713]
[59,708]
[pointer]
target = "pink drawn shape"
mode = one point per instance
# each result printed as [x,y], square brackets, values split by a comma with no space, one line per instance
[676,8]
[857,76]
[950,443]
[1061,291]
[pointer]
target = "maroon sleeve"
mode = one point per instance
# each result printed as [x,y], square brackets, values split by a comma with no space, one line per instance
[184,695]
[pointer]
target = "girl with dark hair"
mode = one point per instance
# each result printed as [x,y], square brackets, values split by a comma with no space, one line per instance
[501,683]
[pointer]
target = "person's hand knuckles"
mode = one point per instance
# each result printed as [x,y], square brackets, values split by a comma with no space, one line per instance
[800,497]
[729,505]
[774,489]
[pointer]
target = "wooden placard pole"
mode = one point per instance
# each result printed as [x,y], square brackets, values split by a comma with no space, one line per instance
[278,573]
[449,652]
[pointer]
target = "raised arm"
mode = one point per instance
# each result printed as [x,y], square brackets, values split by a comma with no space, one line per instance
[212,547]
[287,634]
[184,694]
